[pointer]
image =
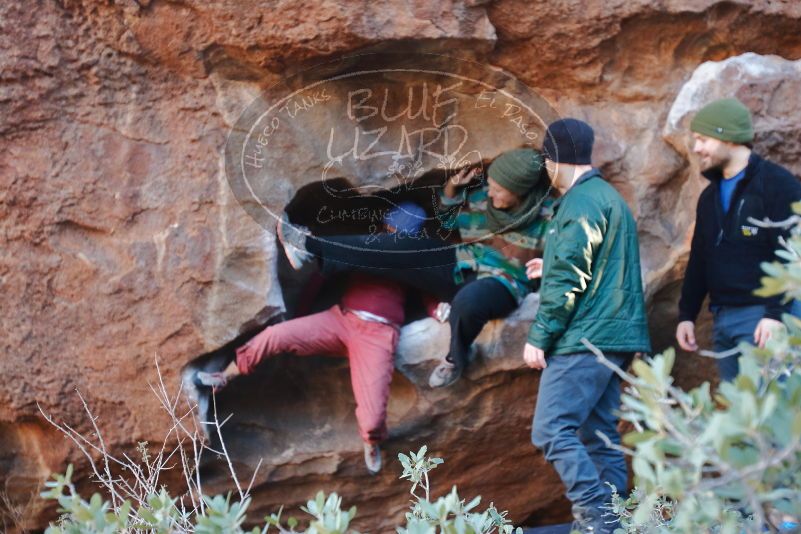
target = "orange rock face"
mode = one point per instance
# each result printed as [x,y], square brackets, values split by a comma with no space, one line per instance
[123,238]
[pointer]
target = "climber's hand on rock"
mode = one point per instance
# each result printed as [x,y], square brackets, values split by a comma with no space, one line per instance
[534,357]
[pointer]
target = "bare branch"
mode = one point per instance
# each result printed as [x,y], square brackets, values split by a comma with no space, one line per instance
[719,355]
[789,222]
[222,446]
[182,447]
[614,446]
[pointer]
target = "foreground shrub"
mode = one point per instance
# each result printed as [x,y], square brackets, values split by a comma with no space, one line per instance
[161,513]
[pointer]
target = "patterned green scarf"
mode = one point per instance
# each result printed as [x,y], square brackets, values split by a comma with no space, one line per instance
[526,213]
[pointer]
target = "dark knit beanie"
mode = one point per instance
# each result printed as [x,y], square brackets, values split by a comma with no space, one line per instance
[569,141]
[517,170]
[726,119]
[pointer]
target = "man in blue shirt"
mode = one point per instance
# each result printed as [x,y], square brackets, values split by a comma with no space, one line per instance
[727,247]
[727,187]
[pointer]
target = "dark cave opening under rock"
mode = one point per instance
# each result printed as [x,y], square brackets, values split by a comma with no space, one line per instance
[291,404]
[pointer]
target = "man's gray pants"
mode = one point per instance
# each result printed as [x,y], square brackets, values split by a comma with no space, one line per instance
[577,397]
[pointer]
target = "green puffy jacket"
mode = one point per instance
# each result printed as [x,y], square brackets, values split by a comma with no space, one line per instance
[591,281]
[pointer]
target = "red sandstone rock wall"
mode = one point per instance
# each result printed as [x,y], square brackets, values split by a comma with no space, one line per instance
[120,238]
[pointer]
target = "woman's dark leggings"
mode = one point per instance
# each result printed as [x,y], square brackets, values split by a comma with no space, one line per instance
[476,303]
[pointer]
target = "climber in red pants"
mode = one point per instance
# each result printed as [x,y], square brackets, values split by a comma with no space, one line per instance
[364,327]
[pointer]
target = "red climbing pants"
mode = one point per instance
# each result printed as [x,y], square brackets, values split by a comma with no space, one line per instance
[369,345]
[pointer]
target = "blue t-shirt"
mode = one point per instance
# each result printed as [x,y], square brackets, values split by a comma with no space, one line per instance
[727,186]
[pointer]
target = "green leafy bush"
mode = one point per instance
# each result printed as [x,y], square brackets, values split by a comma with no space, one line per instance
[161,514]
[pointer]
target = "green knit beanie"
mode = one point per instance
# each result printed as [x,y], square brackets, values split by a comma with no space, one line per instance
[726,119]
[517,170]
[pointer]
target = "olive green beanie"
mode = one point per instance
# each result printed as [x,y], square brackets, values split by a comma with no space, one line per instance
[726,119]
[517,170]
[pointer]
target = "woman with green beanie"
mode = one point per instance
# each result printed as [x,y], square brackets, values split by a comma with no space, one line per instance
[500,219]
[501,222]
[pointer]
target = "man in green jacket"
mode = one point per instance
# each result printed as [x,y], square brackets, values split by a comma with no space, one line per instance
[591,288]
